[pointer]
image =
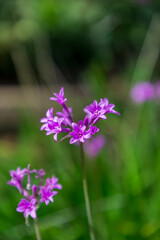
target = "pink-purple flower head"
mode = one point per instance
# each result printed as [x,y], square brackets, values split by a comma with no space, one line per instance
[52,125]
[49,117]
[63,122]
[33,194]
[79,133]
[16,178]
[95,112]
[53,183]
[28,207]
[109,108]
[46,194]
[59,97]
[142,92]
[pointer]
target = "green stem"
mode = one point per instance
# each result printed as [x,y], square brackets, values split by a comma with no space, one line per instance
[37,229]
[85,188]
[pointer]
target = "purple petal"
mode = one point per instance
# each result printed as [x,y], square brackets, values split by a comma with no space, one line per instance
[61,92]
[53,98]
[103,117]
[46,202]
[44,126]
[73,140]
[81,139]
[49,113]
[55,137]
[43,120]
[33,214]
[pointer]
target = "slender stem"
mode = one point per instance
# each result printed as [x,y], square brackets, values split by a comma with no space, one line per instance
[85,188]
[37,229]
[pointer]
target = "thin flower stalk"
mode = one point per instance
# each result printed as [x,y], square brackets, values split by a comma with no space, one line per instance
[38,235]
[86,195]
[79,133]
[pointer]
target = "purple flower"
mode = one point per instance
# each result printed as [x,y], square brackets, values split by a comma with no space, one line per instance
[46,195]
[64,123]
[142,92]
[104,103]
[66,115]
[28,207]
[33,194]
[53,183]
[18,174]
[95,111]
[79,133]
[94,146]
[59,97]
[17,177]
[93,129]
[40,173]
[51,125]
[49,117]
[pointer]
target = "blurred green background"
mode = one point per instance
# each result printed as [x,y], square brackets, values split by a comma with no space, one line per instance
[94,49]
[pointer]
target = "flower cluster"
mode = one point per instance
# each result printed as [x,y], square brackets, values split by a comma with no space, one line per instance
[145,91]
[33,194]
[63,121]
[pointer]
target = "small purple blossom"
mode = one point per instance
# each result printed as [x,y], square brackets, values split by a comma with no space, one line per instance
[59,97]
[142,92]
[79,134]
[40,173]
[28,207]
[109,108]
[94,146]
[33,194]
[47,119]
[93,129]
[95,112]
[63,122]
[52,126]
[46,195]
[53,183]
[17,177]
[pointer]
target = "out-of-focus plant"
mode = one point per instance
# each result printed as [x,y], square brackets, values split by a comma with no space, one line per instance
[145,91]
[33,194]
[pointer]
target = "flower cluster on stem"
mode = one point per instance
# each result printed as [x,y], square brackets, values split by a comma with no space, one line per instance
[63,121]
[33,194]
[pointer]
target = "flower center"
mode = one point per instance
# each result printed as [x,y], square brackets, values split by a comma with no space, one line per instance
[96,112]
[80,134]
